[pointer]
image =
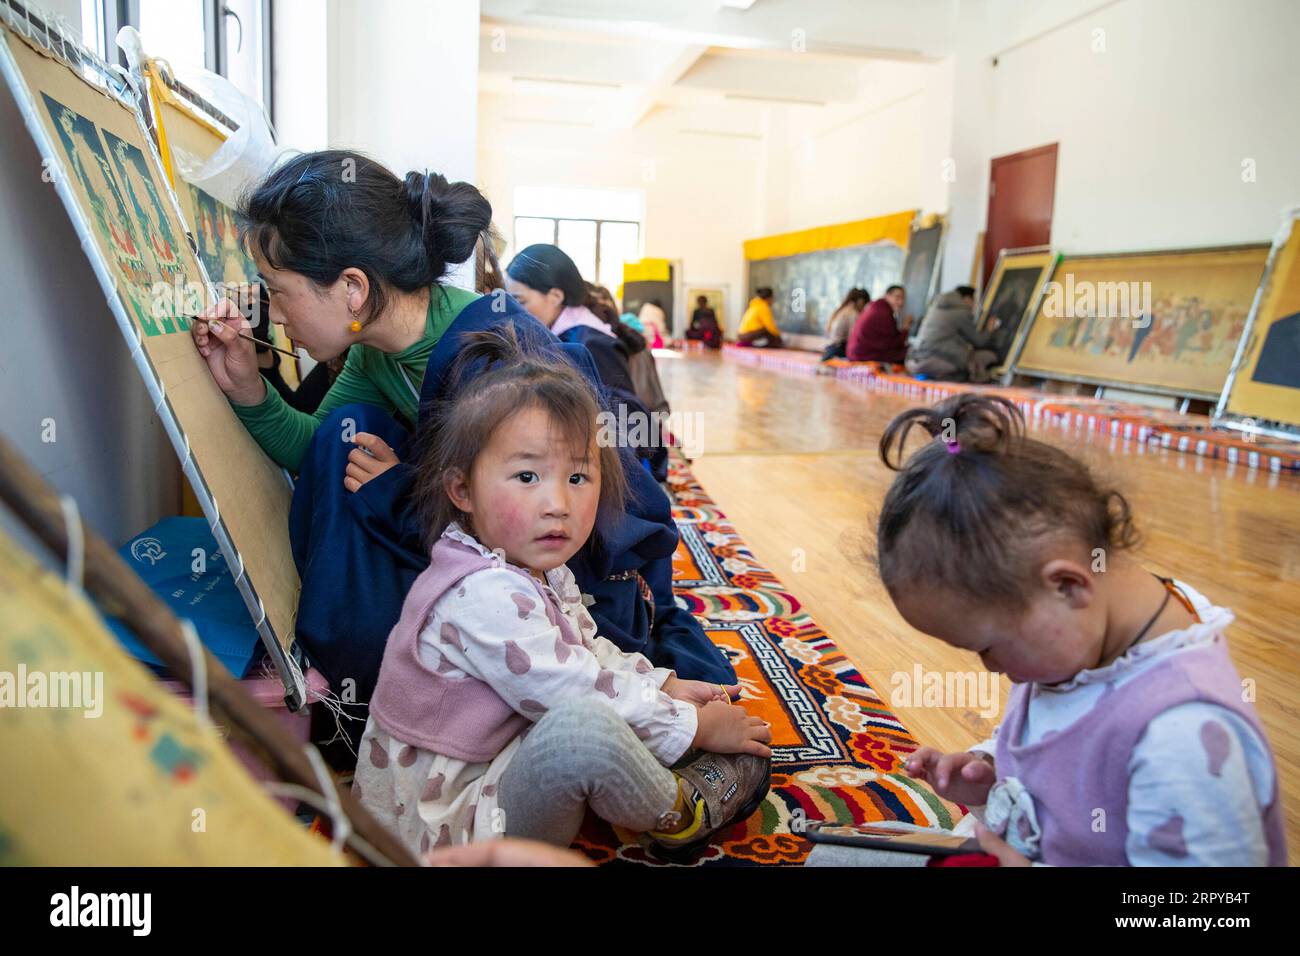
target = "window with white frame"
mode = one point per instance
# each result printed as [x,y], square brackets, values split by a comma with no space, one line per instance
[228,37]
[599,229]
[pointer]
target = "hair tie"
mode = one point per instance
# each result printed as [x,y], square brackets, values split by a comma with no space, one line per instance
[953,447]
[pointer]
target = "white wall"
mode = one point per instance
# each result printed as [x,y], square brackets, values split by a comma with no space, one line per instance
[403,82]
[702,194]
[394,79]
[867,159]
[1156,105]
[65,360]
[300,73]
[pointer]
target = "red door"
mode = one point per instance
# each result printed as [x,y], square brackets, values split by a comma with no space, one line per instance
[1022,188]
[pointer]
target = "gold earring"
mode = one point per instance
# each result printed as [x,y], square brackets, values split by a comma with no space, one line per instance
[356,324]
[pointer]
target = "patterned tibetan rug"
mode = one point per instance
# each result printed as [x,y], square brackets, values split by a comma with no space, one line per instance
[837,749]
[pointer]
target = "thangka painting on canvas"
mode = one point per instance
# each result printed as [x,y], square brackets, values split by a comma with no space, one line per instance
[124,233]
[1163,321]
[216,233]
[161,243]
[1266,383]
[214,224]
[921,266]
[97,155]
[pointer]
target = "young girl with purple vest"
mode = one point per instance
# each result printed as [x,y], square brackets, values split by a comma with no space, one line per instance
[499,710]
[1128,738]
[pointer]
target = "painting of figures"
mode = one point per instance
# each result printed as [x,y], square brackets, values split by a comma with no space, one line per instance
[121,231]
[145,204]
[1163,321]
[216,232]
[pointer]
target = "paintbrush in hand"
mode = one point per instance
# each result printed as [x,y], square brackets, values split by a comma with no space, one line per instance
[245,335]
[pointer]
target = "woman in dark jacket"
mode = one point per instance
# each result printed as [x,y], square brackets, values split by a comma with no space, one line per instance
[546,282]
[640,360]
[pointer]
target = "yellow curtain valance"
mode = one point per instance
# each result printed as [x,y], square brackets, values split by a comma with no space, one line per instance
[647,270]
[896,227]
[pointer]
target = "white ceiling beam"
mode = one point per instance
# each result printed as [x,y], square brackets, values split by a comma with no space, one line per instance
[639,32]
[643,99]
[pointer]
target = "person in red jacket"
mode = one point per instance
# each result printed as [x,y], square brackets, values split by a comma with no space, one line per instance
[877,336]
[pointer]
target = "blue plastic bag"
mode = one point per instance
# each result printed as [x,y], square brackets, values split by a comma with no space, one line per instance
[179,560]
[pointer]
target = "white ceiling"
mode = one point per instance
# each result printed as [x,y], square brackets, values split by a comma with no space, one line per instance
[610,64]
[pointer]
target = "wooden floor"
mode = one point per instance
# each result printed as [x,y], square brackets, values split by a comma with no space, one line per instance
[791,459]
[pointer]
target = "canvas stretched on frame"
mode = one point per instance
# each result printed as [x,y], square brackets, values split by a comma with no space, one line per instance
[1265,382]
[213,224]
[920,278]
[107,172]
[1014,287]
[1199,303]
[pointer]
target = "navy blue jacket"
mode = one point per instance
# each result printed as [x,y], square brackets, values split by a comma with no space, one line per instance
[642,543]
[609,357]
[612,565]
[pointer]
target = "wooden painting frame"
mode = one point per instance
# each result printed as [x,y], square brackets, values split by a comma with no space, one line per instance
[211,222]
[1204,279]
[1253,406]
[1041,257]
[89,131]
[923,224]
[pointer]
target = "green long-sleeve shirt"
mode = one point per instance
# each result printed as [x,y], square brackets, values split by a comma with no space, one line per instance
[390,381]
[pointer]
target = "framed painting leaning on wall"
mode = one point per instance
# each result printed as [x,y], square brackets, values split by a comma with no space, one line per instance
[1264,385]
[1012,297]
[1163,322]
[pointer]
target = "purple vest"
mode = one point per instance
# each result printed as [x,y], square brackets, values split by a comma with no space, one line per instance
[460,717]
[1083,767]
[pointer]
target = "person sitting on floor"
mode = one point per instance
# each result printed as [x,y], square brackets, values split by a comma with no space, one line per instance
[1125,706]
[360,265]
[877,336]
[757,327]
[500,709]
[841,323]
[949,347]
[704,324]
[640,360]
[546,282]
[653,320]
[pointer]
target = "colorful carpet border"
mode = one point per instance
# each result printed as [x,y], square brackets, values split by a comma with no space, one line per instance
[838,746]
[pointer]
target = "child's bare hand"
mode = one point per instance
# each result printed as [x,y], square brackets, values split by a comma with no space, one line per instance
[994,845]
[508,851]
[370,459]
[699,692]
[728,729]
[964,778]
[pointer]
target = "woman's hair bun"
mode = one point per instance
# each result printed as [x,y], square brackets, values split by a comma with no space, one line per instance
[450,216]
